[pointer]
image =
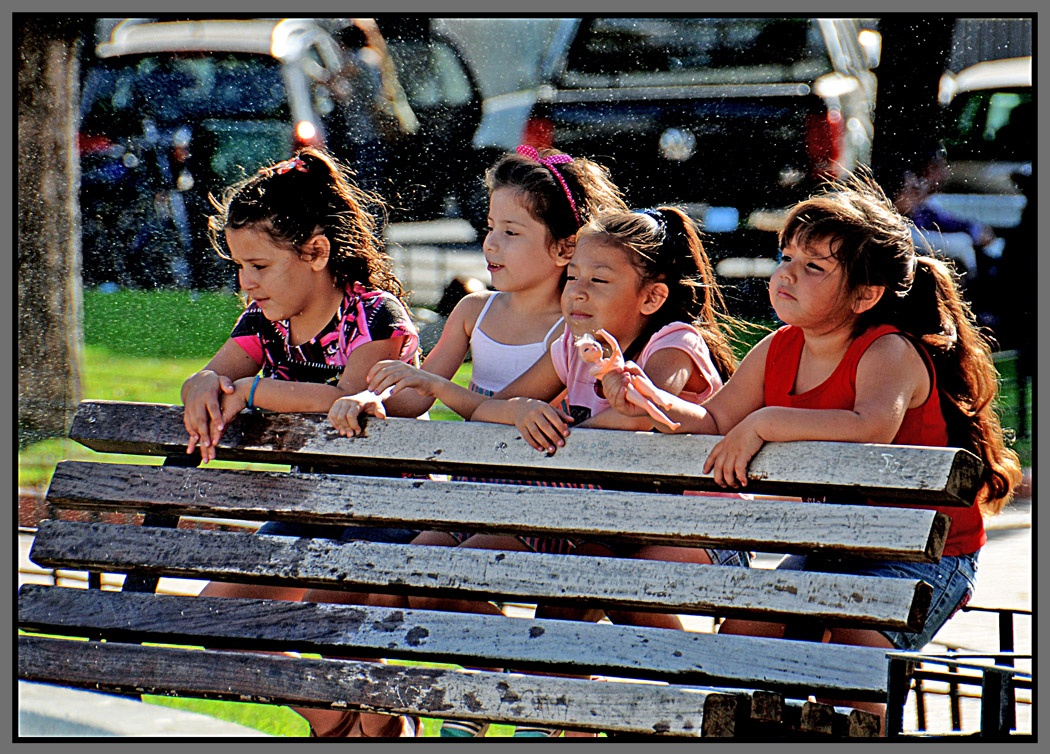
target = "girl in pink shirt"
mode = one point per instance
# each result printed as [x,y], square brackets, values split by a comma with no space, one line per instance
[644,278]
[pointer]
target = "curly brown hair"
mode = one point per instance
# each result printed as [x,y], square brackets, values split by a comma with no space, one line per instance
[312,193]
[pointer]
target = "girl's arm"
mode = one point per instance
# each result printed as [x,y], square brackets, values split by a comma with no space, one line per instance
[741,395]
[891,377]
[281,395]
[525,403]
[202,395]
[414,390]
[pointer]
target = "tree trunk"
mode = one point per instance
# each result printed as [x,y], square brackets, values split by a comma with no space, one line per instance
[49,287]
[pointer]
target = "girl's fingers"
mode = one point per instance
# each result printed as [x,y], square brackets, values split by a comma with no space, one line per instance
[386,374]
[538,440]
[741,471]
[375,408]
[353,427]
[550,433]
[215,415]
[339,417]
[381,367]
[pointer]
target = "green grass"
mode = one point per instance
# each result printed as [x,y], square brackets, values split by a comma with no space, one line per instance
[166,325]
[1009,402]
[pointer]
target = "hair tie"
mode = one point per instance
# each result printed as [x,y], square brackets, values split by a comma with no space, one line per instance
[283,167]
[655,214]
[526,150]
[658,216]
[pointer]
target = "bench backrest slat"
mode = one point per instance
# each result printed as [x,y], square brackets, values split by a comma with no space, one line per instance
[673,587]
[541,645]
[626,460]
[273,679]
[906,534]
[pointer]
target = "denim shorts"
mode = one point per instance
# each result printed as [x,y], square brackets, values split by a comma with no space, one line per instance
[339,533]
[953,580]
[738,558]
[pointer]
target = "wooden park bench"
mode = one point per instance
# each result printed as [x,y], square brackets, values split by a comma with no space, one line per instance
[623,680]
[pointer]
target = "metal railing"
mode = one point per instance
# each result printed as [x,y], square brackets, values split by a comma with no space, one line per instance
[994,674]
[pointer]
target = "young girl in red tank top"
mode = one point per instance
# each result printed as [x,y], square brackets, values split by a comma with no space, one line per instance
[877,346]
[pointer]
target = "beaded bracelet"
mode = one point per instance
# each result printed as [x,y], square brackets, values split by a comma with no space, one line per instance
[251,393]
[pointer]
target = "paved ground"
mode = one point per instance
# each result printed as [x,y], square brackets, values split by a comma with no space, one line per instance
[50,711]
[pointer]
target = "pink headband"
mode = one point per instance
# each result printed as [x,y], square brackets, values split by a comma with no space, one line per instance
[526,150]
[283,167]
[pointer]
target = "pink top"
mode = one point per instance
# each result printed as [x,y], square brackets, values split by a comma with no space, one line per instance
[574,372]
[363,316]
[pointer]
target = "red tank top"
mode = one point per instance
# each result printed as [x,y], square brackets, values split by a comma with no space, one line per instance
[922,425]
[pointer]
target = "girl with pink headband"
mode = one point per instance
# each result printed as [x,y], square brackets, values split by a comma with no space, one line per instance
[538,200]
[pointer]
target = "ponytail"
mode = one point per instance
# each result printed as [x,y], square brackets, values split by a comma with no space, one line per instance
[691,272]
[664,245]
[312,192]
[936,314]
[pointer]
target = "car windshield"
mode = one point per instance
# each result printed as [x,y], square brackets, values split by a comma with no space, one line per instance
[182,87]
[700,47]
[235,106]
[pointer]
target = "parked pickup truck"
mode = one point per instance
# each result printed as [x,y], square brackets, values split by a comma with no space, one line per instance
[735,118]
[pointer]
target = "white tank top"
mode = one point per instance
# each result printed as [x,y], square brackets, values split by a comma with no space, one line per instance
[495,364]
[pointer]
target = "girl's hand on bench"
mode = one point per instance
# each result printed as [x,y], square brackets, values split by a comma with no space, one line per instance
[542,426]
[203,416]
[728,460]
[345,411]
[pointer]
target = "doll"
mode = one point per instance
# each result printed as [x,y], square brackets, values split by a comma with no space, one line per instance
[591,351]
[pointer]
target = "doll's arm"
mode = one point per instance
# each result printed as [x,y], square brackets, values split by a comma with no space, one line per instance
[638,392]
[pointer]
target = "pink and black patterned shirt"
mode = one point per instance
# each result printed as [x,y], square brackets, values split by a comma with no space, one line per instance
[363,316]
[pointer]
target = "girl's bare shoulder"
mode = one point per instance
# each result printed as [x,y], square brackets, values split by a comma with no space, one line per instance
[468,309]
[895,354]
[894,347]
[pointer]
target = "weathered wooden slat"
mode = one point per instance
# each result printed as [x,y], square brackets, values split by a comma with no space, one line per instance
[765,525]
[550,646]
[273,679]
[486,574]
[628,460]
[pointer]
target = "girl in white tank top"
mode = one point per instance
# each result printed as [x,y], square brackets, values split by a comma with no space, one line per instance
[495,364]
